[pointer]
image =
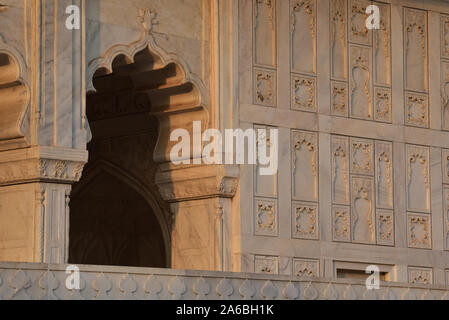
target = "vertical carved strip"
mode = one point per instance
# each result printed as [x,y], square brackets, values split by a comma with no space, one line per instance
[264,32]
[418,179]
[360,83]
[305,165]
[340,170]
[445,94]
[303,35]
[338,12]
[416,56]
[363,223]
[382,47]
[358,31]
[384,175]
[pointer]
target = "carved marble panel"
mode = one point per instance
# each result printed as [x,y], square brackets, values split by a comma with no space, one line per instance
[420,275]
[358,31]
[340,170]
[445,164]
[339,103]
[419,231]
[445,94]
[264,185]
[304,165]
[264,32]
[416,110]
[382,105]
[338,18]
[265,87]
[362,151]
[384,174]
[446,217]
[303,35]
[265,217]
[305,220]
[418,179]
[306,268]
[264,264]
[360,94]
[363,220]
[385,227]
[304,93]
[341,223]
[382,47]
[445,37]
[416,55]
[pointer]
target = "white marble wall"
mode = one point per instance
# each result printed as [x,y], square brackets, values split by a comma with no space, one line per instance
[363,137]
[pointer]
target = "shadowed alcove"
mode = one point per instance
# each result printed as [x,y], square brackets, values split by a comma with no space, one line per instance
[117,216]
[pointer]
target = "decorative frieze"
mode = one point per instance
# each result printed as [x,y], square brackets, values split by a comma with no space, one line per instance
[306,268]
[267,265]
[420,275]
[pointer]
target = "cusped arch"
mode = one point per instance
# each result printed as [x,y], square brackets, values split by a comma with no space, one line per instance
[15,97]
[161,80]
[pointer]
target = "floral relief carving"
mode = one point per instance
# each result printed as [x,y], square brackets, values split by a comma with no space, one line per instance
[268,265]
[341,224]
[420,276]
[305,221]
[304,94]
[266,217]
[340,174]
[416,49]
[445,164]
[264,88]
[338,39]
[382,47]
[264,32]
[304,165]
[419,231]
[445,36]
[303,35]
[384,175]
[359,31]
[361,156]
[382,105]
[306,268]
[385,228]
[339,99]
[446,217]
[362,213]
[445,94]
[418,188]
[361,101]
[416,110]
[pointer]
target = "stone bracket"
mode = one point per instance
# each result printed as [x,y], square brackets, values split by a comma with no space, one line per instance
[194,182]
[42,164]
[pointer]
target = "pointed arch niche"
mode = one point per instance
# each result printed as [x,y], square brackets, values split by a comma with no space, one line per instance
[137,94]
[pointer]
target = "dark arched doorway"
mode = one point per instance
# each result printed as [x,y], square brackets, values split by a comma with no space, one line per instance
[117,216]
[111,224]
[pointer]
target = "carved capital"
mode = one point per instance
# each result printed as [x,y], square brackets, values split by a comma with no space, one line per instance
[194,182]
[42,164]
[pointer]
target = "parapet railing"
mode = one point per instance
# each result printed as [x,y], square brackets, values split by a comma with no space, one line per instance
[47,281]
